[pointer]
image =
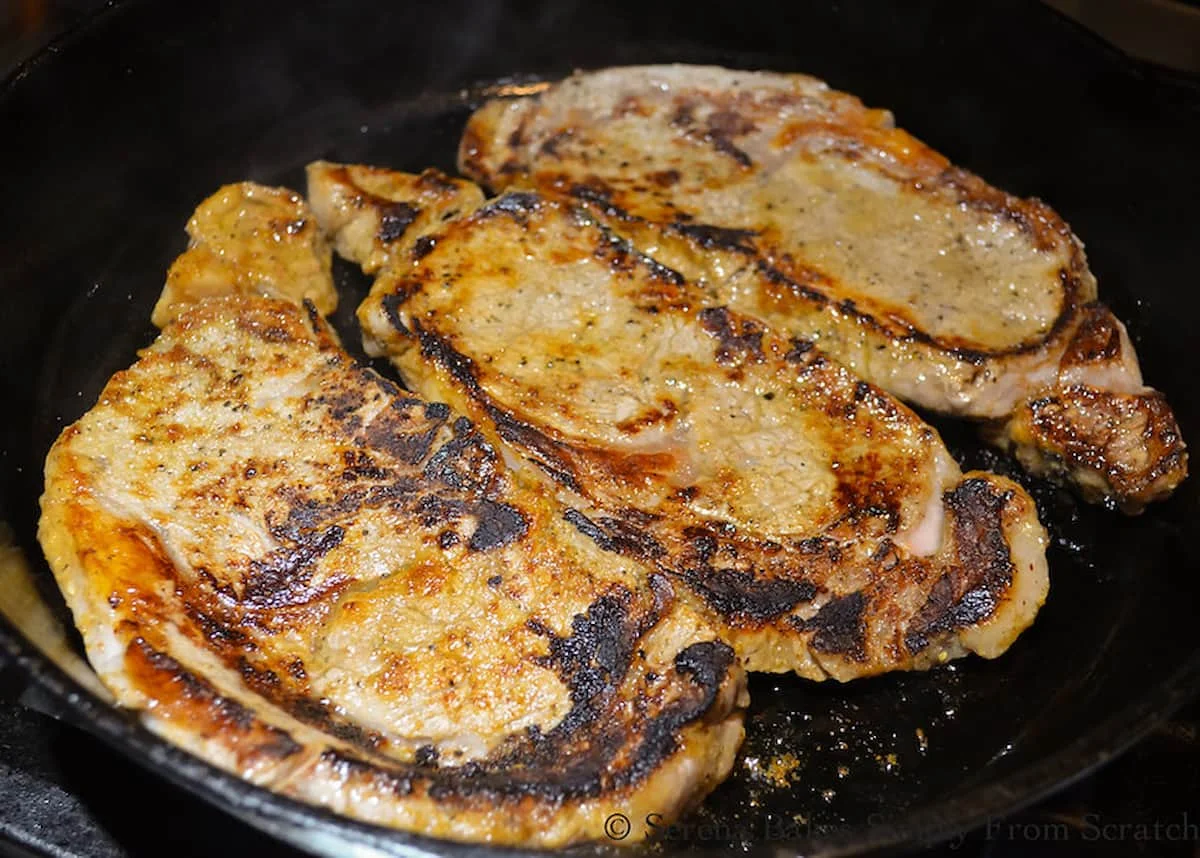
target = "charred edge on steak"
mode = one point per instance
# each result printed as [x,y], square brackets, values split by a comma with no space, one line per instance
[470,147]
[629,534]
[722,127]
[799,351]
[839,627]
[276,334]
[971,591]
[733,347]
[596,193]
[284,577]
[395,219]
[740,596]
[546,453]
[719,129]
[1043,226]
[496,525]
[1085,427]
[315,322]
[433,179]
[550,144]
[391,308]
[716,237]
[400,433]
[458,479]
[591,530]
[593,750]
[622,256]
[466,462]
[266,684]
[518,205]
[1096,340]
[406,431]
[167,680]
[422,247]
[595,657]
[616,536]
[319,715]
[461,368]
[222,634]
[213,620]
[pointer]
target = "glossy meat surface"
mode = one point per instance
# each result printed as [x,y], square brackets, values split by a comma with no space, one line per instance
[309,577]
[817,519]
[250,239]
[796,205]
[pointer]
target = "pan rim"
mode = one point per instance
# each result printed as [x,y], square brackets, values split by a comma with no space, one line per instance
[275,814]
[290,819]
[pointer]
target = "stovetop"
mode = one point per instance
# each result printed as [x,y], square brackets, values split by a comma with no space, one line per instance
[63,794]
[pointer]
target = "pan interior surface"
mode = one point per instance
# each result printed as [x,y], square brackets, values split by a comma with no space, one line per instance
[118,139]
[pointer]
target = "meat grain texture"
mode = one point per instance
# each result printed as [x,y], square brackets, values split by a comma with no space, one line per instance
[795,204]
[309,577]
[821,523]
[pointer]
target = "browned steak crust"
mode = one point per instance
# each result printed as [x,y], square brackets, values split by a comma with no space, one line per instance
[795,204]
[311,578]
[818,519]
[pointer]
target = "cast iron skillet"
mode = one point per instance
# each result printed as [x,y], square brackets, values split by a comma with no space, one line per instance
[119,129]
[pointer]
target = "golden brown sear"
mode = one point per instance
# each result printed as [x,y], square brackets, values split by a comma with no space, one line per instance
[249,239]
[797,205]
[819,521]
[307,576]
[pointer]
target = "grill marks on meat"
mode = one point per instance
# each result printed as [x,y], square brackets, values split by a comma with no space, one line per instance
[797,205]
[311,578]
[807,511]
[374,213]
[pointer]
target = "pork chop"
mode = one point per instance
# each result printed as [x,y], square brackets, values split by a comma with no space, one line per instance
[818,520]
[795,204]
[309,577]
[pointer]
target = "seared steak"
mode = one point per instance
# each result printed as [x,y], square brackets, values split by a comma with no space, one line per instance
[798,206]
[816,518]
[311,578]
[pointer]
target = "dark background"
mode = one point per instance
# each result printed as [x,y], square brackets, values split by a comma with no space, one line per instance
[63,794]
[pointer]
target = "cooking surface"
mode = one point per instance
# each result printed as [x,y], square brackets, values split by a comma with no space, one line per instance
[67,795]
[66,788]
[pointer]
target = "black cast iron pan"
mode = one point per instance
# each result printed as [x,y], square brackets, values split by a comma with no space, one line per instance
[114,133]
